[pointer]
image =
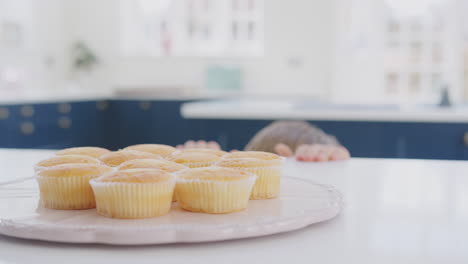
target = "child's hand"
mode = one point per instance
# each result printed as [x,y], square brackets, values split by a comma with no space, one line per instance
[199,144]
[319,152]
[314,152]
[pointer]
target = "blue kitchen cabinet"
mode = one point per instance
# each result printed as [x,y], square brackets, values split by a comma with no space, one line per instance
[363,139]
[115,124]
[435,141]
[369,139]
[43,126]
[128,123]
[23,130]
[231,134]
[87,124]
[133,122]
[170,127]
[400,139]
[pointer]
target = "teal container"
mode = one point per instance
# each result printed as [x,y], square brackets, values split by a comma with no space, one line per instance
[222,78]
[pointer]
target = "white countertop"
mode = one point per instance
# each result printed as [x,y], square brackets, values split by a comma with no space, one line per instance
[86,95]
[303,110]
[34,97]
[252,107]
[396,211]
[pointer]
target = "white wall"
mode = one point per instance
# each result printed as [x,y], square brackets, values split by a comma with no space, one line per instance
[358,76]
[38,58]
[297,30]
[49,62]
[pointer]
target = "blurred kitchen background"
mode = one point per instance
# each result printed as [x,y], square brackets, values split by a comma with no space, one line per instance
[389,78]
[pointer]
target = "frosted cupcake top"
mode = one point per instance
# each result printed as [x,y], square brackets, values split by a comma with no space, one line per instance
[136,176]
[94,152]
[64,159]
[253,154]
[75,169]
[164,165]
[193,157]
[160,149]
[248,163]
[214,174]
[118,157]
[216,152]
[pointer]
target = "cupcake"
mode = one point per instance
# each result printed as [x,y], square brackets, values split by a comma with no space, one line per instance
[134,193]
[66,186]
[268,173]
[194,159]
[116,158]
[159,149]
[164,165]
[216,152]
[214,190]
[94,152]
[65,159]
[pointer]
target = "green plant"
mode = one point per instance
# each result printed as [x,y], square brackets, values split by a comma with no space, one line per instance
[84,58]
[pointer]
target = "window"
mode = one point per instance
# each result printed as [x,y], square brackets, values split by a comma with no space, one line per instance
[401,51]
[421,45]
[192,27]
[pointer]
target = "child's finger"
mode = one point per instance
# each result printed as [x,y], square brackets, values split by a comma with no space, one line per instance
[325,153]
[337,155]
[190,144]
[283,150]
[213,145]
[347,155]
[200,144]
[301,152]
[313,152]
[340,153]
[307,152]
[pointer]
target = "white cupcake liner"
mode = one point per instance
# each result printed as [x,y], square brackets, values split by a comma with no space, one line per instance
[268,181]
[66,193]
[216,197]
[176,176]
[133,200]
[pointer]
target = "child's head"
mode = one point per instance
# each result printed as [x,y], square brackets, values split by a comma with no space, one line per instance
[290,133]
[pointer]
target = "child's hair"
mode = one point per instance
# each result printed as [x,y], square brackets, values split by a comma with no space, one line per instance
[291,133]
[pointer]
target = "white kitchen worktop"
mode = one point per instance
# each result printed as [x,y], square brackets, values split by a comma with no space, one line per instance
[76,96]
[303,110]
[396,211]
[268,108]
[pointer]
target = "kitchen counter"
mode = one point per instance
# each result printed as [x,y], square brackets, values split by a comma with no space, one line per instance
[79,96]
[235,106]
[389,130]
[396,211]
[53,97]
[304,110]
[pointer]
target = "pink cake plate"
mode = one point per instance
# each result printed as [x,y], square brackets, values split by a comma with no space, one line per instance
[300,204]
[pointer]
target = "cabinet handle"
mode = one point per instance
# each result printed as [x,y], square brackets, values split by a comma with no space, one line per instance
[27,128]
[27,111]
[4,113]
[64,108]
[465,139]
[145,106]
